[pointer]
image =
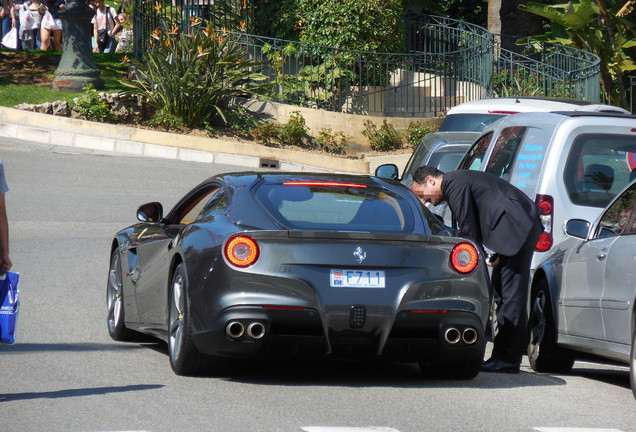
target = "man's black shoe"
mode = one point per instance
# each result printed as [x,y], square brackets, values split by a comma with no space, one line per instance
[496,365]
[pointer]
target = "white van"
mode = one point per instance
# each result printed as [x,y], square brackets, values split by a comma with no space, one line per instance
[571,163]
[477,115]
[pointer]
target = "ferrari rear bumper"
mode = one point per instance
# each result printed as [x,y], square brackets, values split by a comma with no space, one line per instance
[436,335]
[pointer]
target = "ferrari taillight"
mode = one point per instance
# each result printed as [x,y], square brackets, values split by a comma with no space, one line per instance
[464,258]
[242,251]
[546,204]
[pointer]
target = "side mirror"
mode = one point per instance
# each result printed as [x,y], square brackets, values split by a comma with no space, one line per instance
[577,228]
[387,171]
[150,212]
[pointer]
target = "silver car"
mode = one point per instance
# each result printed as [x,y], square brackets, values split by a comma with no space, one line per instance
[571,163]
[585,302]
[442,150]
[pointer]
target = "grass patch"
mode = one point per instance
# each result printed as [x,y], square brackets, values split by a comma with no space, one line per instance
[26,77]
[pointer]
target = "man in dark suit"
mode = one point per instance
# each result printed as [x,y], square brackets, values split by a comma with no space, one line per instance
[495,214]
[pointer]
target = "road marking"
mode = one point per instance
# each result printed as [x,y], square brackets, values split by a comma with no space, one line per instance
[565,429]
[348,429]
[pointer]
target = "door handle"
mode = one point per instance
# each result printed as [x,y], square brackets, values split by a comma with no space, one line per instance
[601,255]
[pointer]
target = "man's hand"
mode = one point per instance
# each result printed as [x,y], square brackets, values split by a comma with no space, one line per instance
[493,260]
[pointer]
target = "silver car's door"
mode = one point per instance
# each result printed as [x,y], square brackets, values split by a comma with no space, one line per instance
[620,289]
[583,274]
[620,275]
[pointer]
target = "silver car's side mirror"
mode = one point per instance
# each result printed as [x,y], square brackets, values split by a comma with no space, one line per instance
[387,171]
[150,212]
[577,228]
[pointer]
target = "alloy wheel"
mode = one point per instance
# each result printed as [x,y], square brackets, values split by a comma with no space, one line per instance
[177,306]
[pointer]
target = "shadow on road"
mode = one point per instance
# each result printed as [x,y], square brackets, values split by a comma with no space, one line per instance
[358,374]
[612,376]
[64,347]
[7,397]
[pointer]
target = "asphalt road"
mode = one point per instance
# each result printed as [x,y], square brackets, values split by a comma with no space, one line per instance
[66,374]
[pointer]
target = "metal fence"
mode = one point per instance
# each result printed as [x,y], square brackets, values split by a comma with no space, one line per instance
[447,62]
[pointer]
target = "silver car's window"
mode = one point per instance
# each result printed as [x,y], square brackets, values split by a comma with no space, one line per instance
[504,151]
[620,218]
[599,166]
[473,157]
[340,207]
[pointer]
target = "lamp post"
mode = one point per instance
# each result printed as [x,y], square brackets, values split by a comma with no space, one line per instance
[77,67]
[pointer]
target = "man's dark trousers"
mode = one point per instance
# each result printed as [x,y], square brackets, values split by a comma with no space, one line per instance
[510,285]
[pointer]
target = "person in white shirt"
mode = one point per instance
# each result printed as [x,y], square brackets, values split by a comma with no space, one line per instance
[105,26]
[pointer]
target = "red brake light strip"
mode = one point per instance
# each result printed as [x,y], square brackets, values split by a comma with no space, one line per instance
[321,183]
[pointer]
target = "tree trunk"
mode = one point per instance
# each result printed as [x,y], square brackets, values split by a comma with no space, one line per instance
[494,19]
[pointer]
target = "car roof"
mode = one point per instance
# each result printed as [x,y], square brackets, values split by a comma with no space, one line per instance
[524,104]
[556,117]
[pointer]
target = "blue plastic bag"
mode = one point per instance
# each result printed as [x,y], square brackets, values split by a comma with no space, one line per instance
[9,305]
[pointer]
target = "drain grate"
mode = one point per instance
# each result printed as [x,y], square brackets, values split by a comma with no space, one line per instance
[268,163]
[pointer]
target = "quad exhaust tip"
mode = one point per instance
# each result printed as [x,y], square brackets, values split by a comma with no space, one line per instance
[236,330]
[469,336]
[453,335]
[256,330]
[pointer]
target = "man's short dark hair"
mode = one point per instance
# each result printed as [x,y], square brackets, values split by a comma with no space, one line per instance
[424,171]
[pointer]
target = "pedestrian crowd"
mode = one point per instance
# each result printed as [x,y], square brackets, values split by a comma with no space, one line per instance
[35,25]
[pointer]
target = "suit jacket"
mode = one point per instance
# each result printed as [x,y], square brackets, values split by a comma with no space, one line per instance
[490,211]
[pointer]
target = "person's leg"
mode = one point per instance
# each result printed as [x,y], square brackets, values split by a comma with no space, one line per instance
[510,342]
[57,39]
[45,36]
[110,45]
[6,26]
[37,40]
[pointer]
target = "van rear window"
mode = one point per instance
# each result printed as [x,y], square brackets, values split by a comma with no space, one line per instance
[337,207]
[599,166]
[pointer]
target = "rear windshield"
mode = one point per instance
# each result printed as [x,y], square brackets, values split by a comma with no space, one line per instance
[336,207]
[472,122]
[599,166]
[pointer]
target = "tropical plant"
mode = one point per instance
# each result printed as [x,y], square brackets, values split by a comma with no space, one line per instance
[593,27]
[192,76]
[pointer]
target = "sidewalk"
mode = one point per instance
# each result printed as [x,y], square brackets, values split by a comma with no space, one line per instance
[64,131]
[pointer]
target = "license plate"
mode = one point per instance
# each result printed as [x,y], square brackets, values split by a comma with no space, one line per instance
[357,278]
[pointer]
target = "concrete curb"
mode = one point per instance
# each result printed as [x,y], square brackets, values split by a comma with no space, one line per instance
[64,131]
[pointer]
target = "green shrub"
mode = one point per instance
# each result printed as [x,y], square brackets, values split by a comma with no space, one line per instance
[266,134]
[331,142]
[294,132]
[192,76]
[242,121]
[414,132]
[384,138]
[93,107]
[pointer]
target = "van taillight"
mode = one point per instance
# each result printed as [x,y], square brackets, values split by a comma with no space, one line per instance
[546,203]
